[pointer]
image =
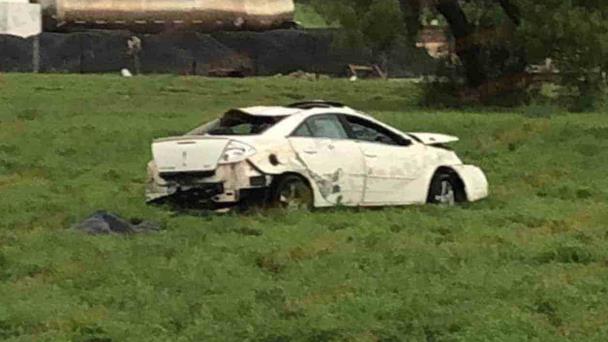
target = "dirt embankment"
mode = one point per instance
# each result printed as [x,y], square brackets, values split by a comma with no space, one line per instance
[222,54]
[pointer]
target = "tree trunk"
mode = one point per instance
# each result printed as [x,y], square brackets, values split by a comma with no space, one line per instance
[411,10]
[511,10]
[467,48]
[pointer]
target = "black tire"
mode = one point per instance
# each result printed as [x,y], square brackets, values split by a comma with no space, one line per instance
[293,193]
[446,189]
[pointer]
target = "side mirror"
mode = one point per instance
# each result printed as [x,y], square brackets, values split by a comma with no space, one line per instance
[405,142]
[384,140]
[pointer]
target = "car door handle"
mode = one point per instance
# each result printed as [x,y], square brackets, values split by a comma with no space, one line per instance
[310,151]
[371,155]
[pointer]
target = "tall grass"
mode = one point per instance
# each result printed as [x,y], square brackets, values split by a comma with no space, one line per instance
[529,263]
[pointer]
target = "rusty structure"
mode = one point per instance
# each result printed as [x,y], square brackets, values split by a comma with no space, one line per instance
[161,15]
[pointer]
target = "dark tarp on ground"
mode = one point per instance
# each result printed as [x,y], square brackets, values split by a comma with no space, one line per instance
[103,223]
[252,53]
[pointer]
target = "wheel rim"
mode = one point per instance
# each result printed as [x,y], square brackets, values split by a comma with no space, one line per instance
[295,195]
[447,196]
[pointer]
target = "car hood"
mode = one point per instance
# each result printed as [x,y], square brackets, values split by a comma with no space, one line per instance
[434,138]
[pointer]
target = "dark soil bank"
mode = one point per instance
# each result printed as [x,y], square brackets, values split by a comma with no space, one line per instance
[219,54]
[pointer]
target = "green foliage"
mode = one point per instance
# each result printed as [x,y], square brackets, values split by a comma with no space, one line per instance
[575,35]
[529,263]
[308,17]
[370,23]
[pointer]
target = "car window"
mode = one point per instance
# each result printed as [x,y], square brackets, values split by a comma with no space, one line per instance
[365,130]
[239,123]
[326,126]
[302,131]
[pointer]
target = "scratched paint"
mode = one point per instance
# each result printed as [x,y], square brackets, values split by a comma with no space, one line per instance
[339,172]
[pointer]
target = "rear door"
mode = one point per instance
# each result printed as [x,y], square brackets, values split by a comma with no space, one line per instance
[333,161]
[392,163]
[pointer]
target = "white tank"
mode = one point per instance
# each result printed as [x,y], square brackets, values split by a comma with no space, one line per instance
[157,15]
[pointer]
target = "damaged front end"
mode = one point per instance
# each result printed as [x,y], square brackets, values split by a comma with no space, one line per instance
[204,173]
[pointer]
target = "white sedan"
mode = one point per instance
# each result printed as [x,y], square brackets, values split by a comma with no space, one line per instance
[309,155]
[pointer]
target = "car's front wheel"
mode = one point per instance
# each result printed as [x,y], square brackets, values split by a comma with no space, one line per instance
[446,189]
[293,193]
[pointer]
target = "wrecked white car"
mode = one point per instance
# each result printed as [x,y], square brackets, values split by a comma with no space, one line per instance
[309,155]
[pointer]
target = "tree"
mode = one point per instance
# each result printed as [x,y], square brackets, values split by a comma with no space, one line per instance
[574,34]
[495,40]
[373,23]
[380,22]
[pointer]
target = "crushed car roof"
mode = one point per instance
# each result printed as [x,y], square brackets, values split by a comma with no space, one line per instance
[291,109]
[269,111]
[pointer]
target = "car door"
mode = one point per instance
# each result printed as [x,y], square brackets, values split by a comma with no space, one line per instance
[334,162]
[392,163]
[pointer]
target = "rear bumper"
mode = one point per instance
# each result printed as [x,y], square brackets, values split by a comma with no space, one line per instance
[228,185]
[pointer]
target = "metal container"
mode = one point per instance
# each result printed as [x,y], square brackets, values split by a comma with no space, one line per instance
[158,15]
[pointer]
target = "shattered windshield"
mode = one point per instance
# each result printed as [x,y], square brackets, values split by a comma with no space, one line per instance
[238,123]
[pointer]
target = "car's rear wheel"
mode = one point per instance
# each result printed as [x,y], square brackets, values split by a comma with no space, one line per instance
[293,193]
[446,189]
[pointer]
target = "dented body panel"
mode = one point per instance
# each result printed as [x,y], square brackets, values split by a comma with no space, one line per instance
[188,154]
[391,172]
[340,180]
[224,166]
[234,178]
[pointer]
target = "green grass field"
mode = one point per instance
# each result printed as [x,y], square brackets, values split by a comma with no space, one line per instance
[530,263]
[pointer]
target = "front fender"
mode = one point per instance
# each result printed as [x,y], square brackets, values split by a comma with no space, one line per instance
[475,181]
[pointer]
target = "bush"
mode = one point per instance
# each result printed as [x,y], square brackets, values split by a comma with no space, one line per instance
[448,89]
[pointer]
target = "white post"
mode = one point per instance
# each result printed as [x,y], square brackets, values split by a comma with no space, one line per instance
[36,54]
[22,19]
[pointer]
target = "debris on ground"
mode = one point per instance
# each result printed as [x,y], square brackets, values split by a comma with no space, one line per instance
[230,72]
[104,223]
[126,73]
[366,71]
[307,76]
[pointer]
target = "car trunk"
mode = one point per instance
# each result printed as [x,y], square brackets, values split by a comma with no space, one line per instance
[188,154]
